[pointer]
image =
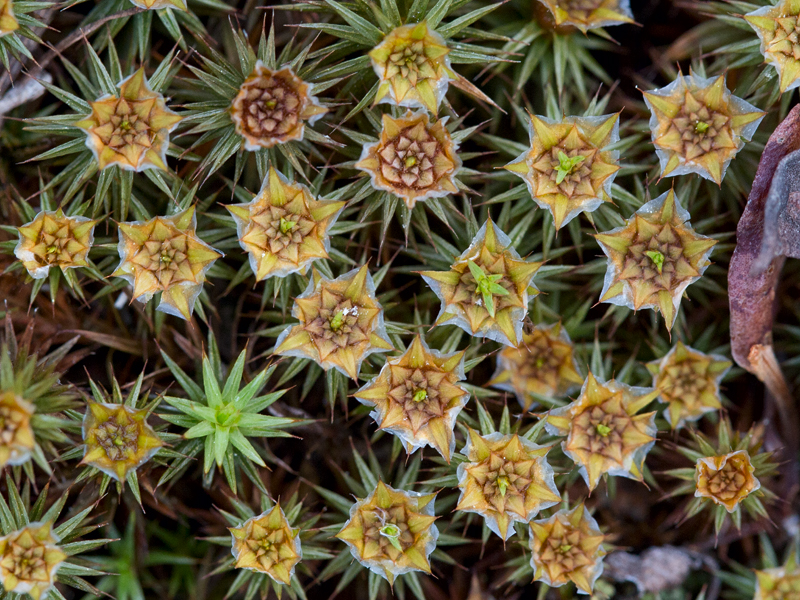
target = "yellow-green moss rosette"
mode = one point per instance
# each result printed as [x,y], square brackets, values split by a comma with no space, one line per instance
[417,398]
[392,532]
[267,544]
[567,547]
[654,257]
[284,228]
[698,126]
[341,323]
[568,168]
[688,383]
[543,366]
[413,67]
[487,289]
[130,130]
[165,255]
[506,479]
[605,432]
[778,27]
[53,239]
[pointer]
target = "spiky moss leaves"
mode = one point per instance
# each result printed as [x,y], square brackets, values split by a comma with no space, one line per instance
[605,434]
[505,479]
[341,323]
[54,240]
[688,383]
[284,228]
[777,27]
[36,551]
[589,14]
[20,19]
[568,169]
[272,108]
[130,130]
[413,67]
[417,397]
[487,288]
[31,391]
[698,126]
[727,474]
[567,547]
[165,255]
[392,532]
[543,366]
[414,159]
[29,560]
[779,583]
[267,544]
[220,416]
[653,258]
[117,439]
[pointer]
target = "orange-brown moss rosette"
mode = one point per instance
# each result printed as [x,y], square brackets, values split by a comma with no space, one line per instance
[273,107]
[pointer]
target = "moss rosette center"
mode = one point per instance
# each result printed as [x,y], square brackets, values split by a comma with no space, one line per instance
[727,479]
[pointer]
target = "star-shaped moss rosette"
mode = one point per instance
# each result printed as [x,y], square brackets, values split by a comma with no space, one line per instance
[414,159]
[130,130]
[654,257]
[567,169]
[487,288]
[506,479]
[159,4]
[567,547]
[392,532]
[698,126]
[779,583]
[589,14]
[688,382]
[284,228]
[268,544]
[726,480]
[605,433]
[165,255]
[727,474]
[543,366]
[8,22]
[778,25]
[29,560]
[417,397]
[117,439]
[272,107]
[17,440]
[53,239]
[341,323]
[413,67]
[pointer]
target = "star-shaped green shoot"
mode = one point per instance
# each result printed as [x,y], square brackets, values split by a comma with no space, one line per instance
[487,286]
[225,415]
[779,583]
[566,165]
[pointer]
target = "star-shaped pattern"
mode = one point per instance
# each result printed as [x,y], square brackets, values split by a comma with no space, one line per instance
[487,288]
[778,27]
[568,169]
[341,323]
[698,126]
[604,432]
[53,239]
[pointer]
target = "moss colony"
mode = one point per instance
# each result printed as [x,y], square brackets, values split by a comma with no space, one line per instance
[430,299]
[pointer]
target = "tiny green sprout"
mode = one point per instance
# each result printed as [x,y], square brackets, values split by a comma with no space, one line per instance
[270,104]
[566,165]
[392,532]
[701,127]
[564,548]
[337,321]
[487,286]
[226,415]
[410,161]
[603,430]
[539,362]
[657,258]
[420,396]
[502,484]
[287,225]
